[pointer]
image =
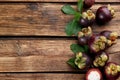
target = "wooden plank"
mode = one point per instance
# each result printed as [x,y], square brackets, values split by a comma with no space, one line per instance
[40,55]
[34,64]
[55,0]
[42,47]
[40,64]
[39,76]
[34,55]
[42,19]
[44,76]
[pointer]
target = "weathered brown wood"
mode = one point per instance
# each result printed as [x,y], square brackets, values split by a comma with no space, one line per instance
[34,64]
[26,47]
[115,58]
[43,19]
[39,76]
[55,0]
[34,55]
[114,48]
[51,47]
[40,55]
[40,63]
[44,76]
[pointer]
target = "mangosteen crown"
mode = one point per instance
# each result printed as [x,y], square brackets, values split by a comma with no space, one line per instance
[100,60]
[112,11]
[80,61]
[113,69]
[89,15]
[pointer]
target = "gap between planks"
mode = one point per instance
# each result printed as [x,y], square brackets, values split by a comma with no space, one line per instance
[41,55]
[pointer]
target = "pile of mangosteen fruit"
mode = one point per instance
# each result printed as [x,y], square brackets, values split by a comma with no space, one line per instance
[96,59]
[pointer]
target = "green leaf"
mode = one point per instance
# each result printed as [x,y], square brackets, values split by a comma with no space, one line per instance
[72,28]
[76,29]
[76,48]
[71,62]
[67,9]
[86,48]
[77,16]
[80,5]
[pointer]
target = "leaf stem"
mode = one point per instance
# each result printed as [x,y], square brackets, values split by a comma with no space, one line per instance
[80,5]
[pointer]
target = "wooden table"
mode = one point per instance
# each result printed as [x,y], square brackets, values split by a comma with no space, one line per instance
[33,44]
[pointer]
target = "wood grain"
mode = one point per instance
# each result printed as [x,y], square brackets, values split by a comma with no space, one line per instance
[43,58]
[42,47]
[39,76]
[44,76]
[36,47]
[55,1]
[40,64]
[40,55]
[42,19]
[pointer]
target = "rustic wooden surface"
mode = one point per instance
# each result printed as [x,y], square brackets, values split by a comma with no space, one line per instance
[41,76]
[41,19]
[48,55]
[33,44]
[104,1]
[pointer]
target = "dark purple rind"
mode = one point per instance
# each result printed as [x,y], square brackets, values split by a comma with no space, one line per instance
[94,69]
[82,40]
[103,15]
[90,43]
[110,77]
[85,22]
[88,3]
[88,61]
[100,67]
[106,33]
